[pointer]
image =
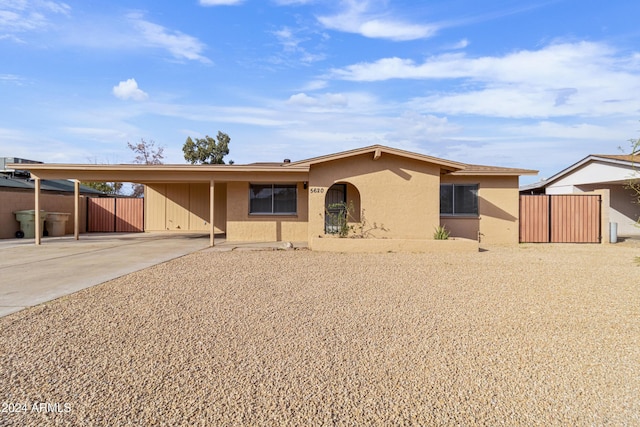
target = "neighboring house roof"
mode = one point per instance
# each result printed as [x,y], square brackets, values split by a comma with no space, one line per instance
[9,182]
[628,160]
[57,185]
[67,186]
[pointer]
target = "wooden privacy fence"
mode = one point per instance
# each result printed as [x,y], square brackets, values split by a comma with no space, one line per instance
[572,218]
[115,214]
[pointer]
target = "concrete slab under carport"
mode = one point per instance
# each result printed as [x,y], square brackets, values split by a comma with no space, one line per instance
[31,275]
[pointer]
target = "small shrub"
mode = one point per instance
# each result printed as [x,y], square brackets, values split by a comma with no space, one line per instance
[339,219]
[342,222]
[441,233]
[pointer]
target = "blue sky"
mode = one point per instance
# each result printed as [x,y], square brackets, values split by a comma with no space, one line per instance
[532,84]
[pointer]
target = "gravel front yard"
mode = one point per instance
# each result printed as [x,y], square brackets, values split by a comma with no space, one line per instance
[533,335]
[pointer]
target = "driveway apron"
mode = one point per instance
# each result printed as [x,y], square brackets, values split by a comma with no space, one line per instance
[31,275]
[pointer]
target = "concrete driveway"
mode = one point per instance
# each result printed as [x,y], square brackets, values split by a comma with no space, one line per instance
[31,275]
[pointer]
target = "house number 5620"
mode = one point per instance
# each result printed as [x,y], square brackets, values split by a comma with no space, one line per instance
[316,190]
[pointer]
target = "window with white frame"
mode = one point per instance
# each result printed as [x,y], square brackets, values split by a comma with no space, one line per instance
[273,199]
[459,199]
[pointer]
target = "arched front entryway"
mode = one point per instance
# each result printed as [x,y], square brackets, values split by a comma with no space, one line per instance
[342,208]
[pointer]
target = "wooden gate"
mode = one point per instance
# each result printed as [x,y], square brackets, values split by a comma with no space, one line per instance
[572,218]
[115,214]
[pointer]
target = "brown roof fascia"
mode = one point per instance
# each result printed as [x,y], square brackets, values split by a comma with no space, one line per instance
[139,172]
[159,168]
[377,151]
[493,170]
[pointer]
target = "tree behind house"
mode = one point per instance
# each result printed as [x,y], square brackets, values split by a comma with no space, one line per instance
[146,154]
[207,150]
[634,184]
[111,188]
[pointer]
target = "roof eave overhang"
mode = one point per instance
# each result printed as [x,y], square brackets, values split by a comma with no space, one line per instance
[166,173]
[496,173]
[377,151]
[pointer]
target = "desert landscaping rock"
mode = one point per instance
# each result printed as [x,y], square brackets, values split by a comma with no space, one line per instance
[529,335]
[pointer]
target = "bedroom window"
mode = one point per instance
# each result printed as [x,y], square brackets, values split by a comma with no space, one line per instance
[459,199]
[273,199]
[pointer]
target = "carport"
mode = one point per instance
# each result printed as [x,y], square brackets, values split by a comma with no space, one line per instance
[156,174]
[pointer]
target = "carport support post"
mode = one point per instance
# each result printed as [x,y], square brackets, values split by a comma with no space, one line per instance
[211,227]
[37,212]
[76,209]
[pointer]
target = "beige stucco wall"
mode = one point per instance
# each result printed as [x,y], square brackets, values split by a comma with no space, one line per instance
[400,198]
[623,209]
[498,208]
[184,207]
[15,200]
[466,227]
[398,194]
[241,226]
[605,215]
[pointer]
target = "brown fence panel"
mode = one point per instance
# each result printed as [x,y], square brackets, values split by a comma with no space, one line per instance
[100,214]
[534,219]
[129,215]
[554,218]
[575,218]
[120,214]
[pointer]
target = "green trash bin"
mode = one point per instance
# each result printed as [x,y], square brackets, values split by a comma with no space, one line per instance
[57,223]
[27,220]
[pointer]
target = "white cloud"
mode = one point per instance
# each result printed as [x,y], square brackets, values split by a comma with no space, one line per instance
[25,15]
[10,78]
[580,131]
[220,2]
[315,85]
[55,7]
[561,63]
[325,100]
[351,103]
[97,134]
[302,99]
[412,128]
[13,38]
[181,46]
[292,2]
[293,51]
[409,131]
[459,45]
[356,18]
[557,80]
[129,90]
[266,117]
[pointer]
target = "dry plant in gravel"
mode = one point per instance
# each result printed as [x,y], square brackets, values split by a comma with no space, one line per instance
[532,335]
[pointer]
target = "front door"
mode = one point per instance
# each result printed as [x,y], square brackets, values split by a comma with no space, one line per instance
[335,204]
